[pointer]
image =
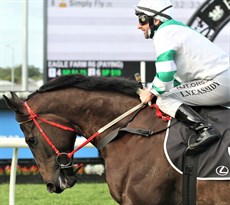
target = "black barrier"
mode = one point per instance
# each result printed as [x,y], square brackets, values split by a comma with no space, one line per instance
[211,17]
[27,173]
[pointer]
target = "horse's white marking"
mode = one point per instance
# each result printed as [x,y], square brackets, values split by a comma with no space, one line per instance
[63,185]
[229,151]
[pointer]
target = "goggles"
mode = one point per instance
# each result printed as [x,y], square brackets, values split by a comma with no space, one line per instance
[143,19]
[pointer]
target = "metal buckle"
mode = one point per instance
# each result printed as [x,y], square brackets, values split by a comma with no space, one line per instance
[63,160]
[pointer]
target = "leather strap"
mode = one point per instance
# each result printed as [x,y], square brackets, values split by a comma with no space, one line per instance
[120,131]
[190,166]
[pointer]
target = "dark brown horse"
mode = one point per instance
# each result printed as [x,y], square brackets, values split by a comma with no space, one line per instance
[137,171]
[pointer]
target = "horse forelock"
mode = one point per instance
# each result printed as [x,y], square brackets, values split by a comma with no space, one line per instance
[92,83]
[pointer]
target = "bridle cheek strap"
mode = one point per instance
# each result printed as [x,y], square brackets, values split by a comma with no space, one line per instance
[34,117]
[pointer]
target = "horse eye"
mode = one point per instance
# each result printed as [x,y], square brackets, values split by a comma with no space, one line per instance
[31,141]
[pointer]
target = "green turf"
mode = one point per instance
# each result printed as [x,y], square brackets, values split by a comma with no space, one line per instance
[80,194]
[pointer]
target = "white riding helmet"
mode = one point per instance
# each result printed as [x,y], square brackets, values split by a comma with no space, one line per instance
[160,9]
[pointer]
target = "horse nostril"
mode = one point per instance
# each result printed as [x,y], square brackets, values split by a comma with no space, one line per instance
[50,187]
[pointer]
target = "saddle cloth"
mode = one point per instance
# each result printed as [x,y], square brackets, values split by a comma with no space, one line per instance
[214,163]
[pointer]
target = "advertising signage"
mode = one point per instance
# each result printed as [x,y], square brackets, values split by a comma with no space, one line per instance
[211,17]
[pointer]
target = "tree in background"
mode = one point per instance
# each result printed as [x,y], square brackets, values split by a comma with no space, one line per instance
[34,73]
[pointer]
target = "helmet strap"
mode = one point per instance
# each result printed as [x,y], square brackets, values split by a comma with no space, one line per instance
[153,27]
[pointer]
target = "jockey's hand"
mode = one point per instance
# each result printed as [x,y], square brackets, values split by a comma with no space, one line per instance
[145,96]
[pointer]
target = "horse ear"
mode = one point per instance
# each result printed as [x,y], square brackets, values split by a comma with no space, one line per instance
[16,104]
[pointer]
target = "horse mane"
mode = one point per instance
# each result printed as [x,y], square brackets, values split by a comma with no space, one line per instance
[91,83]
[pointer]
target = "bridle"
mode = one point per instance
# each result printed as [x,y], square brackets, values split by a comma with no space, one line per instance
[60,155]
[67,157]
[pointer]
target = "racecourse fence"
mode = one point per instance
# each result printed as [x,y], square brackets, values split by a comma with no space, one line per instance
[17,143]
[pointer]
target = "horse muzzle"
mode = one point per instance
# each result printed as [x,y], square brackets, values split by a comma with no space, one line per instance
[51,188]
[63,182]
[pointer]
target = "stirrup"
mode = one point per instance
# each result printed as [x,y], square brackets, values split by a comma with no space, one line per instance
[195,147]
[191,149]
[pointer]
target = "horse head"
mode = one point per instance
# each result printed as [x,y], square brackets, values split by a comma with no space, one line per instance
[50,162]
[52,116]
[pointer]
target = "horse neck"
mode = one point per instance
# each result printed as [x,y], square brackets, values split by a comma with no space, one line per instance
[89,111]
[100,109]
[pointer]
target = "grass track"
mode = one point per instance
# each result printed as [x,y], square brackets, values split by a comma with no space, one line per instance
[80,194]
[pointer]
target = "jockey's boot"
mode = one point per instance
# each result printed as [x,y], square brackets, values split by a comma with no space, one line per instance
[206,133]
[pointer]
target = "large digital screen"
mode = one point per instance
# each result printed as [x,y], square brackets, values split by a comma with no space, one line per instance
[100,37]
[94,38]
[95,30]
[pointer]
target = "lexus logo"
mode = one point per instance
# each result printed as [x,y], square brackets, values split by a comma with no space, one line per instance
[222,170]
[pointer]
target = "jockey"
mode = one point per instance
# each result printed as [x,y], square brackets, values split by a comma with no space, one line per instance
[190,70]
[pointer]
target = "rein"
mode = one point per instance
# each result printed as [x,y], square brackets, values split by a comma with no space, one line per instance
[68,156]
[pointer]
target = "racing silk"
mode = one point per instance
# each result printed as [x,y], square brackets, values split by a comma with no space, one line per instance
[184,55]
